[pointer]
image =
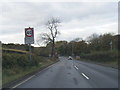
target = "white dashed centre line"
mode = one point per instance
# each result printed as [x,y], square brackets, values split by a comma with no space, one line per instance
[85,76]
[76,67]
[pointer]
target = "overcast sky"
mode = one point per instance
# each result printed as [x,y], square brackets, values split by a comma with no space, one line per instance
[78,19]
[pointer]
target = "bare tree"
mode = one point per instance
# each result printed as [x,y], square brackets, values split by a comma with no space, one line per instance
[52,25]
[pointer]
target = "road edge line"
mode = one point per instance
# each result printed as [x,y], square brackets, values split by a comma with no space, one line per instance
[23,81]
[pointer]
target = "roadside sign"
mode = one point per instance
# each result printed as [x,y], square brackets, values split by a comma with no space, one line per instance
[29,35]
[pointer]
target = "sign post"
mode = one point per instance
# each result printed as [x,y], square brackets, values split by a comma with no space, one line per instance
[29,38]
[30,52]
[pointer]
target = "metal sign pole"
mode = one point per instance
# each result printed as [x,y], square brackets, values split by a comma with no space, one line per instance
[29,39]
[30,52]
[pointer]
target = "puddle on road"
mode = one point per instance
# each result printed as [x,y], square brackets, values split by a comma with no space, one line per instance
[75,81]
[69,73]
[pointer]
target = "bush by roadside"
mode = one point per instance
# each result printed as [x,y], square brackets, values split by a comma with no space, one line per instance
[10,60]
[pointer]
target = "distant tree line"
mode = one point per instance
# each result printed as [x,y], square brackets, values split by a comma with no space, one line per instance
[105,42]
[76,47]
[98,48]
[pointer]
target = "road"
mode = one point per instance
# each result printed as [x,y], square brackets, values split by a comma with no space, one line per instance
[72,74]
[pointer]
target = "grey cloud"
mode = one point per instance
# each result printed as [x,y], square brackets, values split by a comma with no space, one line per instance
[75,15]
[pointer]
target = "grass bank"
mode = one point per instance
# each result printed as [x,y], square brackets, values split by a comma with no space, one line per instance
[17,65]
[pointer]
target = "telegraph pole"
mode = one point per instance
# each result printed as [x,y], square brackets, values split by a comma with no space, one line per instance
[111,45]
[72,50]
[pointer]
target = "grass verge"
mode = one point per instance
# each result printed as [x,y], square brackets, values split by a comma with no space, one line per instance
[112,64]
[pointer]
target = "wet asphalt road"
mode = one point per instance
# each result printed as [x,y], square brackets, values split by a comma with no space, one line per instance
[72,74]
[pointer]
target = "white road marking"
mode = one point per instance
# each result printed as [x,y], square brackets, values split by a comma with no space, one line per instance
[76,67]
[23,81]
[85,76]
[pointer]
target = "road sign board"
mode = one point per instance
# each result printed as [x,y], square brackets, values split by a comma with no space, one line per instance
[29,32]
[29,35]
